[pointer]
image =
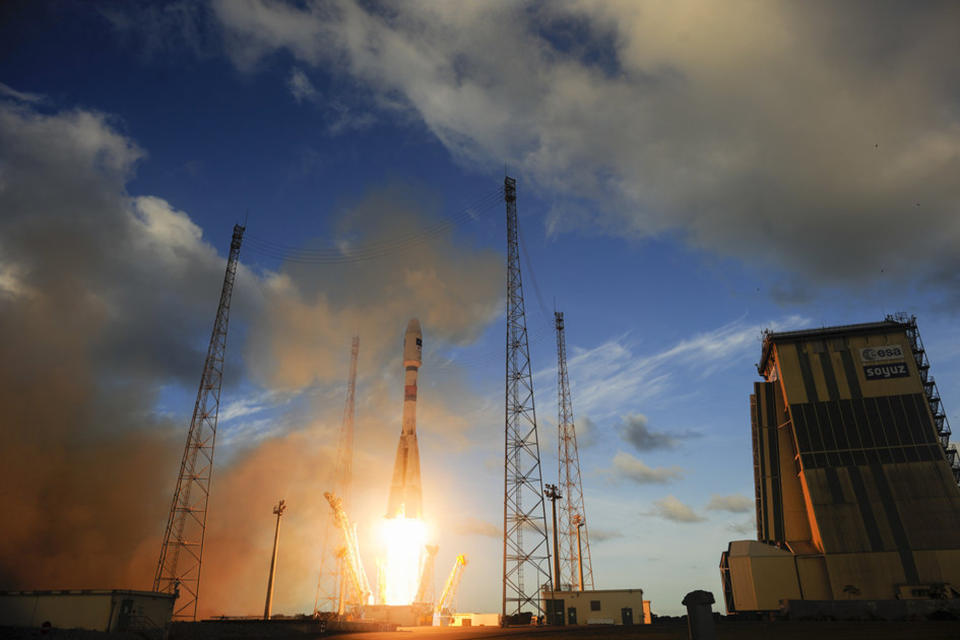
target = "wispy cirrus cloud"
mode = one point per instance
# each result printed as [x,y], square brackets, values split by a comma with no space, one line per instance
[7,91]
[613,376]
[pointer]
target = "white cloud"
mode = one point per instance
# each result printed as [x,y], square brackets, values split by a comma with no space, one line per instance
[630,468]
[670,508]
[249,405]
[300,86]
[749,129]
[734,503]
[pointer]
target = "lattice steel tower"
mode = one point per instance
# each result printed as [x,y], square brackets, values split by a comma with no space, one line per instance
[328,586]
[182,551]
[570,483]
[526,554]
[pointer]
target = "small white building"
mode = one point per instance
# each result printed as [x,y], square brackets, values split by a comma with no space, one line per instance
[147,612]
[475,620]
[598,606]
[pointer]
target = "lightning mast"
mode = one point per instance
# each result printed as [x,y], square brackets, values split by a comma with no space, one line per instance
[328,591]
[573,571]
[526,554]
[178,570]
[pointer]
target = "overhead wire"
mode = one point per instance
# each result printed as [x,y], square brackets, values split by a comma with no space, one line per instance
[536,331]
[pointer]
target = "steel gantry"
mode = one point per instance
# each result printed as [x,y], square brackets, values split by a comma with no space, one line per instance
[576,566]
[526,554]
[181,554]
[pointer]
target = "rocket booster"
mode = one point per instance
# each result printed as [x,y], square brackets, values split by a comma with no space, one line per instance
[405,494]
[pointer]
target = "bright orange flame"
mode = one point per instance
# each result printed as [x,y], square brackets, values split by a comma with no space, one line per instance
[403,541]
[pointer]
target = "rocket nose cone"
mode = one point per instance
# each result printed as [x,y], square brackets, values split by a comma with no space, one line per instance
[413,326]
[413,343]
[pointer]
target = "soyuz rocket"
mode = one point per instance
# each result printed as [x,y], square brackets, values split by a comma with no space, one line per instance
[405,495]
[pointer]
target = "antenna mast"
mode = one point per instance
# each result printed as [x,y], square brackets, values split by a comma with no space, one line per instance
[573,571]
[178,570]
[525,548]
[328,590]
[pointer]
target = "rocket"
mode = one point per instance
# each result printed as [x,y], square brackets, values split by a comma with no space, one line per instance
[405,495]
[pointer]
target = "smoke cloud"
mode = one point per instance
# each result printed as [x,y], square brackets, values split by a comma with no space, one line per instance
[89,276]
[314,309]
[106,299]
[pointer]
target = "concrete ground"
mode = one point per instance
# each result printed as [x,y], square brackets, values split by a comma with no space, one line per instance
[946,630]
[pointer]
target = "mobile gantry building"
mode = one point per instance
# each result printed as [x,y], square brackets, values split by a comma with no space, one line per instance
[856,483]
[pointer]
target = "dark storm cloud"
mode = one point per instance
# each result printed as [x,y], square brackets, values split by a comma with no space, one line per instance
[821,139]
[635,430]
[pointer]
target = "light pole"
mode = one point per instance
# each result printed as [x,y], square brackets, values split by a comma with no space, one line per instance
[578,521]
[268,608]
[553,494]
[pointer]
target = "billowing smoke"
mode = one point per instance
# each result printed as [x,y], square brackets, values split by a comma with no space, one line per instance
[105,299]
[314,309]
[89,280]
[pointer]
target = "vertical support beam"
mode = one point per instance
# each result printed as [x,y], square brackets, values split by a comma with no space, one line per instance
[553,494]
[268,607]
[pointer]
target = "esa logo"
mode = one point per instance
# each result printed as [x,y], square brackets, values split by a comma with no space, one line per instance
[883,371]
[884,352]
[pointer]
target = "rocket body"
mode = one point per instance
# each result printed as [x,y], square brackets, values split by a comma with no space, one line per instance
[405,493]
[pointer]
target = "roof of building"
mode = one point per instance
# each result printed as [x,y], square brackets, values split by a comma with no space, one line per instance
[771,337]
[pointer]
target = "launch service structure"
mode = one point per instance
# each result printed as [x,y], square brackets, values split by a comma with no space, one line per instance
[856,492]
[178,569]
[526,552]
[332,577]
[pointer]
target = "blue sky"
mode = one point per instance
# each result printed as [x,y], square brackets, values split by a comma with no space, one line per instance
[688,176]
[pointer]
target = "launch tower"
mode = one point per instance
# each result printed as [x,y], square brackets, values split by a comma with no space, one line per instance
[576,566]
[856,493]
[526,553]
[182,550]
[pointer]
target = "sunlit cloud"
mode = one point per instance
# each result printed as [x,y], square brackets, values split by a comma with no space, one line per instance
[670,508]
[734,503]
[627,467]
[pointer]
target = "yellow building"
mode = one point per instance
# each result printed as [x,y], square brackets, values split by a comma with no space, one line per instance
[599,606]
[856,487]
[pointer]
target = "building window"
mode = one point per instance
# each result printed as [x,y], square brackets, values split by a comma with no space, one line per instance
[594,605]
